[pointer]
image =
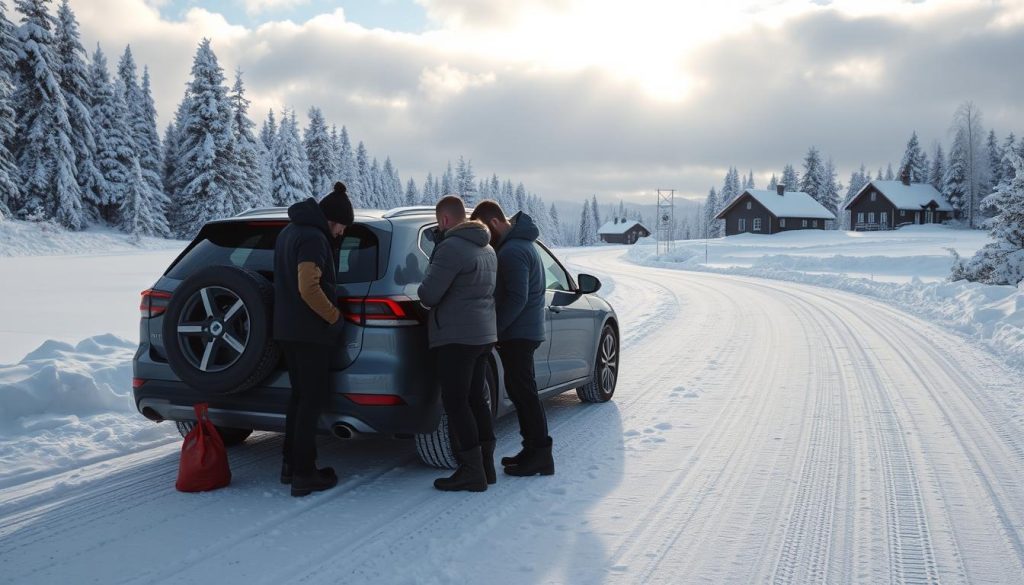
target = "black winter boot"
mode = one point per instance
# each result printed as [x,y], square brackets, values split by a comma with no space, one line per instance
[469,477]
[536,460]
[520,456]
[487,452]
[318,481]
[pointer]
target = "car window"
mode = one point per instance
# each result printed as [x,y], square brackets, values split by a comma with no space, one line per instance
[555,276]
[427,237]
[243,244]
[357,255]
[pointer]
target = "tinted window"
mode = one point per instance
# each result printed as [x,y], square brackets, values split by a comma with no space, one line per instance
[428,237]
[244,244]
[556,278]
[357,256]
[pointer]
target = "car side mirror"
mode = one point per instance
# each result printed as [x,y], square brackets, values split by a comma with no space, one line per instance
[589,284]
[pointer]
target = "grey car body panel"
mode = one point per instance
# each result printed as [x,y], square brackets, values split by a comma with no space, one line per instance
[372,360]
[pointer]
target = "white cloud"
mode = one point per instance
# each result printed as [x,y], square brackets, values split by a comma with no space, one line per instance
[578,97]
[254,7]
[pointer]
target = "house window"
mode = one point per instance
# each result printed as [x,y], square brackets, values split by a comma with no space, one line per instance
[814,223]
[748,205]
[803,223]
[874,196]
[757,224]
[782,222]
[871,217]
[741,225]
[860,217]
[903,212]
[884,218]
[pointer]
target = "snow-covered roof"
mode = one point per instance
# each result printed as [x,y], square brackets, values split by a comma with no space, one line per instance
[913,196]
[789,204]
[611,228]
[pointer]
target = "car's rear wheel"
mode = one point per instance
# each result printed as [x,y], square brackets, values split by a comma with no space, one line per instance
[606,369]
[435,449]
[228,435]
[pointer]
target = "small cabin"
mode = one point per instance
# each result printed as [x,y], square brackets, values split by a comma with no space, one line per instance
[887,205]
[770,212]
[622,231]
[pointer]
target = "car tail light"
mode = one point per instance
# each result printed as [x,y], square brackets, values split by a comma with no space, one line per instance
[375,399]
[381,311]
[154,302]
[138,382]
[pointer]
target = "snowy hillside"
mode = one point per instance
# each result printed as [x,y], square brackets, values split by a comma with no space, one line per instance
[24,238]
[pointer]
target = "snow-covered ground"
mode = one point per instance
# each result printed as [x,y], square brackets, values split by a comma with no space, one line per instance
[906,268]
[761,431]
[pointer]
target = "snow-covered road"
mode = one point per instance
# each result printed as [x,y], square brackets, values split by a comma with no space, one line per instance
[761,432]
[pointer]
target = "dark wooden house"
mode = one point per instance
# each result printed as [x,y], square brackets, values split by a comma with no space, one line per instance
[622,231]
[887,205]
[771,212]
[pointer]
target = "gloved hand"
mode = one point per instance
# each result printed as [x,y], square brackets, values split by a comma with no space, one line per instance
[337,329]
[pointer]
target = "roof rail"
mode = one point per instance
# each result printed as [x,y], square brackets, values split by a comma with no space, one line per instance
[404,211]
[258,210]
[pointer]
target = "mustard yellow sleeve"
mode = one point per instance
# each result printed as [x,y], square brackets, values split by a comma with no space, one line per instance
[313,295]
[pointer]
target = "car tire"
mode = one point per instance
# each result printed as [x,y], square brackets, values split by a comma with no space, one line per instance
[228,435]
[435,448]
[217,330]
[601,387]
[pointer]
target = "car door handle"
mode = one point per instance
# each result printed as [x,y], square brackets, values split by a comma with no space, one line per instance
[555,309]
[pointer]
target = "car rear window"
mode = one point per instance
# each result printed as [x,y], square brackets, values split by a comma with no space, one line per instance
[251,245]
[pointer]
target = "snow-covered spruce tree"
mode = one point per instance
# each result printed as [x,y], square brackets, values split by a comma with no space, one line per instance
[773,182]
[955,180]
[813,180]
[74,81]
[141,211]
[711,227]
[465,182]
[9,179]
[115,150]
[448,181]
[412,194]
[375,198]
[323,172]
[43,144]
[268,132]
[507,199]
[142,121]
[748,181]
[392,185]
[938,168]
[595,213]
[362,188]
[252,161]
[995,162]
[890,175]
[790,178]
[913,162]
[858,179]
[830,190]
[347,168]
[967,127]
[730,187]
[1002,260]
[429,196]
[520,198]
[290,170]
[1009,145]
[587,229]
[556,223]
[173,175]
[206,163]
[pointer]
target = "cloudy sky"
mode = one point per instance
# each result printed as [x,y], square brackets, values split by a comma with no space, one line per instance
[615,98]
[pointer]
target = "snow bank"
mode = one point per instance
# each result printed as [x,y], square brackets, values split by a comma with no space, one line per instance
[24,238]
[63,406]
[991,314]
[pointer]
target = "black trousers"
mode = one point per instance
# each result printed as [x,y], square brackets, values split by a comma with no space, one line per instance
[521,385]
[309,367]
[460,372]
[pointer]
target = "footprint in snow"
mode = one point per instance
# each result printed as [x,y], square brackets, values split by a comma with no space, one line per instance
[664,426]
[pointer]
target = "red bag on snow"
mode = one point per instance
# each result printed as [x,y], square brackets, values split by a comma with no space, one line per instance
[204,460]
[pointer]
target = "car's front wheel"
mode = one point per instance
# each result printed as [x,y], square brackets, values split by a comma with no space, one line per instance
[435,449]
[228,435]
[606,369]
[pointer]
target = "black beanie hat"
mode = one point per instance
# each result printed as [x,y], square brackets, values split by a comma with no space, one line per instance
[336,205]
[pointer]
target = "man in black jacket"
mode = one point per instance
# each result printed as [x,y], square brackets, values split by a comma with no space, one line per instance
[307,323]
[519,300]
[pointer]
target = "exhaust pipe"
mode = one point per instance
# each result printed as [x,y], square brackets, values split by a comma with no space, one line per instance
[343,431]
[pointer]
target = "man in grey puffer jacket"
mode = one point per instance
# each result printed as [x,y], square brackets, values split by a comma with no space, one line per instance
[459,289]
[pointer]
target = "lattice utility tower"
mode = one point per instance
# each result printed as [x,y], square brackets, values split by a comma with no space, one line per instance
[666,220]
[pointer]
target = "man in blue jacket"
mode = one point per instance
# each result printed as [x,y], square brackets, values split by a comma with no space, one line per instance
[519,302]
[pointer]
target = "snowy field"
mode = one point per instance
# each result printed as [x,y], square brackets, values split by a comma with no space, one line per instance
[761,432]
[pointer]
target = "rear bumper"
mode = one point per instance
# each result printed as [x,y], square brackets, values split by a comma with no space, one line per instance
[163,397]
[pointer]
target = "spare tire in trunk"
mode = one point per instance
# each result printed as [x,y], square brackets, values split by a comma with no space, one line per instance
[217,330]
